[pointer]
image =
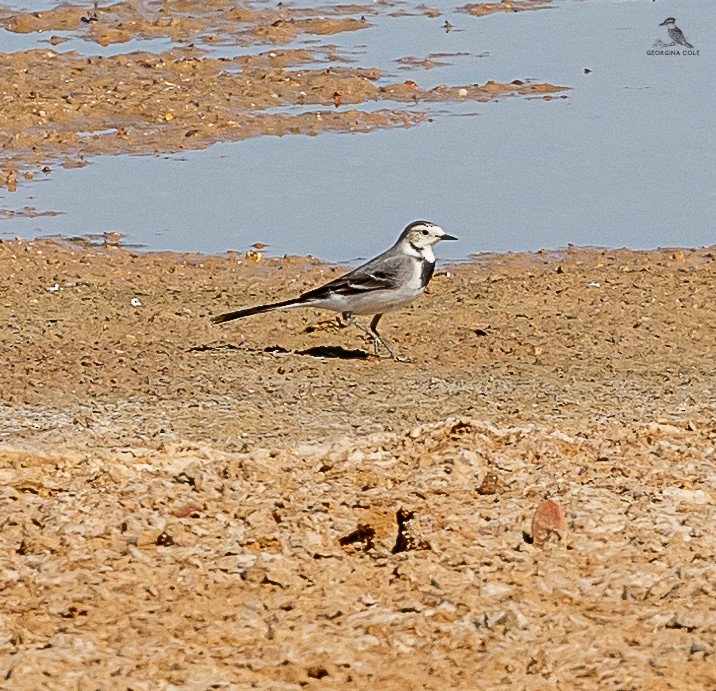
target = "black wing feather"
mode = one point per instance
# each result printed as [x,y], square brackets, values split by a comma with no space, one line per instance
[356,282]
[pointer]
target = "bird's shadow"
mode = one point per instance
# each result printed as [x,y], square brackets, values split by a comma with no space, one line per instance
[334,352]
[324,351]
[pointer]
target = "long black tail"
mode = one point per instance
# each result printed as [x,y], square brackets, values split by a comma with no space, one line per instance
[238,314]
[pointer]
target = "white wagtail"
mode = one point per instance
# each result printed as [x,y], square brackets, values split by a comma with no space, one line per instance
[391,280]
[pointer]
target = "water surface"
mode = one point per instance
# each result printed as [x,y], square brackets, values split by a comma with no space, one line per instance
[627,160]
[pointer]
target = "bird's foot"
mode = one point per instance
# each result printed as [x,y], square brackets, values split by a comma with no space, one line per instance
[390,355]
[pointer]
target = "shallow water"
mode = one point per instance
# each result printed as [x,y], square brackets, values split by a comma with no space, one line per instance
[627,160]
[14,43]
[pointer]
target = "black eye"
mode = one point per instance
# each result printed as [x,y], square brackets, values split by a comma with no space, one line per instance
[425,232]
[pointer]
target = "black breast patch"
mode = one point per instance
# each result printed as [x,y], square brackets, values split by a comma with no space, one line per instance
[427,272]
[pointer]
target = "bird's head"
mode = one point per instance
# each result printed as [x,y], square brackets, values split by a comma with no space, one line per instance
[422,234]
[668,21]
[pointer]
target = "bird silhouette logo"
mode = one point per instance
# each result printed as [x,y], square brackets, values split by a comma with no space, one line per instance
[676,35]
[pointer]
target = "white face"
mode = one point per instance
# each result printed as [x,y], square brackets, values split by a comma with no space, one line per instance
[423,234]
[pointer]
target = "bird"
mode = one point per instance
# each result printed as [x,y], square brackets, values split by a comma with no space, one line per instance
[391,280]
[675,34]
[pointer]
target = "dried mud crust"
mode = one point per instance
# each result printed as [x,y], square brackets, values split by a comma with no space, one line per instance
[366,563]
[64,107]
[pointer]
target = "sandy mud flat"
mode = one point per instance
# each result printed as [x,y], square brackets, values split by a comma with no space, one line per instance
[265,505]
[61,108]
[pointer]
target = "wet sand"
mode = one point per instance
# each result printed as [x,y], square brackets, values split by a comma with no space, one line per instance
[268,504]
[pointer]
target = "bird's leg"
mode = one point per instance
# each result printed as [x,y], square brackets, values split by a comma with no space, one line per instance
[348,317]
[378,338]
